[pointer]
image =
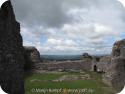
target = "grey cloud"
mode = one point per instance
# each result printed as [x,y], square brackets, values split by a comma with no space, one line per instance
[52,13]
[45,12]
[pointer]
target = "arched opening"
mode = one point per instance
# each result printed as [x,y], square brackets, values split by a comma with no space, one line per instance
[95,68]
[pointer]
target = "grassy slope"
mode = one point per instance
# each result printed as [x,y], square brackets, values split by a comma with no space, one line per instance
[44,81]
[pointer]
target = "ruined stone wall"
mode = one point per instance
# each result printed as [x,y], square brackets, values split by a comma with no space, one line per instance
[32,53]
[32,56]
[115,74]
[11,52]
[113,66]
[63,65]
[104,63]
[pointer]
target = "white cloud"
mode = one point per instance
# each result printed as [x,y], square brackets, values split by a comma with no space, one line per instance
[101,29]
[122,1]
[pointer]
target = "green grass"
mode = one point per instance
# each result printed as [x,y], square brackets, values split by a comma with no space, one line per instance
[44,81]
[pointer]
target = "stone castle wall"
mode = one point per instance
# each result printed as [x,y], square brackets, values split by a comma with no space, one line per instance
[11,52]
[115,73]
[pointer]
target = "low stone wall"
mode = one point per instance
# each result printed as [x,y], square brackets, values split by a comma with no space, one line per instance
[64,65]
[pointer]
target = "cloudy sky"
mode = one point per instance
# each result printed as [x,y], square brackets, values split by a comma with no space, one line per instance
[70,26]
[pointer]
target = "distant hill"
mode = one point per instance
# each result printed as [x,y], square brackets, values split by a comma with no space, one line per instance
[61,57]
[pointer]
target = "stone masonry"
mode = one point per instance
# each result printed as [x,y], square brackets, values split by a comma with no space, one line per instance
[11,52]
